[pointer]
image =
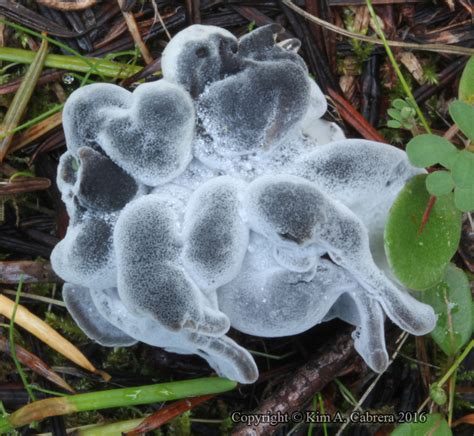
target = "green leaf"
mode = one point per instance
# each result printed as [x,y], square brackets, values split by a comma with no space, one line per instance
[439,183]
[396,115]
[451,299]
[463,169]
[464,198]
[426,150]
[419,260]
[435,425]
[407,112]
[438,395]
[466,84]
[393,124]
[399,104]
[463,115]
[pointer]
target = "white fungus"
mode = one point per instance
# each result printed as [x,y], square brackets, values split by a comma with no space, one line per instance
[219,197]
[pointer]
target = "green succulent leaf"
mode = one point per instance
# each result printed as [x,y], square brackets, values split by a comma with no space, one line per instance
[466,84]
[426,150]
[435,425]
[451,299]
[417,259]
[394,124]
[396,115]
[463,115]
[407,112]
[439,183]
[399,104]
[464,198]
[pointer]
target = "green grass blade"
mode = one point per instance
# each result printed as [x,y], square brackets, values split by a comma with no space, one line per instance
[125,397]
[22,97]
[72,63]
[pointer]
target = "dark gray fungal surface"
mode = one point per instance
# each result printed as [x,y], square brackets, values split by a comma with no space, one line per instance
[215,235]
[215,196]
[267,97]
[288,209]
[102,185]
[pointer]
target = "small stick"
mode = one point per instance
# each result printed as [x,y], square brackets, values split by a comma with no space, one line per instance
[67,5]
[24,185]
[354,118]
[135,32]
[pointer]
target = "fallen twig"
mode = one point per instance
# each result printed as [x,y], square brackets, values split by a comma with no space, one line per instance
[300,387]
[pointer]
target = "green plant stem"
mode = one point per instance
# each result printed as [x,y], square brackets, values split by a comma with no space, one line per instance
[395,66]
[452,393]
[323,412]
[115,398]
[346,393]
[72,63]
[11,340]
[456,364]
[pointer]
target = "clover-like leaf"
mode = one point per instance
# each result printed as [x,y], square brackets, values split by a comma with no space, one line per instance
[439,183]
[451,299]
[435,425]
[407,112]
[399,104]
[395,114]
[464,198]
[426,150]
[418,259]
[466,84]
[394,124]
[463,115]
[463,169]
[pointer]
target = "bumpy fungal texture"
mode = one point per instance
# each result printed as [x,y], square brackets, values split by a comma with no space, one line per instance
[215,236]
[268,97]
[198,56]
[150,279]
[83,117]
[86,253]
[218,196]
[151,139]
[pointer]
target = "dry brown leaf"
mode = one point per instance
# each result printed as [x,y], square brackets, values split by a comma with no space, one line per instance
[412,64]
